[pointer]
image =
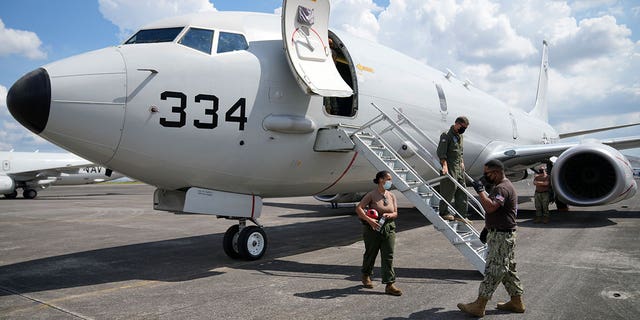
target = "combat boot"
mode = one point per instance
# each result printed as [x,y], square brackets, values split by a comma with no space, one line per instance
[545,220]
[366,281]
[514,305]
[392,290]
[475,308]
[448,217]
[538,219]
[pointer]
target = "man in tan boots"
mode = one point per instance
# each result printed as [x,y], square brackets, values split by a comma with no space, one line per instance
[501,207]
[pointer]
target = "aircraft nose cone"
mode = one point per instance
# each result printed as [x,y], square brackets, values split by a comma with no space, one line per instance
[29,100]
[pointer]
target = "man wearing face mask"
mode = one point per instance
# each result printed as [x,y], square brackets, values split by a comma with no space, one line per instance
[379,234]
[501,206]
[450,152]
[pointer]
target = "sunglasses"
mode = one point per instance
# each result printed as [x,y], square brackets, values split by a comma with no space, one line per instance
[384,200]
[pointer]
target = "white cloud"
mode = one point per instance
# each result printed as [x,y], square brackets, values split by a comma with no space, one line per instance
[356,17]
[595,65]
[129,15]
[3,101]
[12,134]
[20,42]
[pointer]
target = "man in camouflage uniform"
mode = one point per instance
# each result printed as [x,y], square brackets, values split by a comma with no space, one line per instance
[541,196]
[450,151]
[501,206]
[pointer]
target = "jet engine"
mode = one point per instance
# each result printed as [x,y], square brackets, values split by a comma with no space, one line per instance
[592,174]
[341,197]
[7,185]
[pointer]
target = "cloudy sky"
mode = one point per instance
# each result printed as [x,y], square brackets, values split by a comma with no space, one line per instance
[594,47]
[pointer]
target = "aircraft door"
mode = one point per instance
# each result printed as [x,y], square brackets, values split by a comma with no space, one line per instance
[305,30]
[5,165]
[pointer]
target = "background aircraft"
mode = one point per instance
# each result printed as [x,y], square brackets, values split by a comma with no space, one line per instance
[30,171]
[211,110]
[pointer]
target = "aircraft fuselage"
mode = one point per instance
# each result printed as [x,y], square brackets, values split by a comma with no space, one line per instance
[175,117]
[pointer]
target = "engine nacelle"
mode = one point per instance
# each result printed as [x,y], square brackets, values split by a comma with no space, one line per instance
[7,185]
[341,197]
[592,174]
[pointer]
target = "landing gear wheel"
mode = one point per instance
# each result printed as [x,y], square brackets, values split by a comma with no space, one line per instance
[11,195]
[29,193]
[252,243]
[230,242]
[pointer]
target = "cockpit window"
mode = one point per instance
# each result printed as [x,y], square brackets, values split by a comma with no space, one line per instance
[231,42]
[155,35]
[199,39]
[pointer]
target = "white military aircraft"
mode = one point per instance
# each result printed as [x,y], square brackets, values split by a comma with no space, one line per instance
[32,170]
[219,110]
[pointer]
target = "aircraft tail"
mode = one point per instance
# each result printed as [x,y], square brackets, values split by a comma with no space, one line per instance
[540,109]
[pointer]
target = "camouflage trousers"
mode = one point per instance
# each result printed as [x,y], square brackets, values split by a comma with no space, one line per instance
[541,200]
[500,265]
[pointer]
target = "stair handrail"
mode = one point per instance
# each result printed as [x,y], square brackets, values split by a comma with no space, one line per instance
[418,176]
[477,207]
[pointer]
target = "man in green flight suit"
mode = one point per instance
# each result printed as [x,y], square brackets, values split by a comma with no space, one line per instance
[450,152]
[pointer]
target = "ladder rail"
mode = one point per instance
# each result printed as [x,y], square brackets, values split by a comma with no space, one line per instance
[477,206]
[411,170]
[421,132]
[462,235]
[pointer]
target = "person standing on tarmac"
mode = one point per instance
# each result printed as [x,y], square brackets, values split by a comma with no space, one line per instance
[541,197]
[501,206]
[450,152]
[379,235]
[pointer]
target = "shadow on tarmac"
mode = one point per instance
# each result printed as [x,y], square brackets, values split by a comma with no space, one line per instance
[189,258]
[576,218]
[182,259]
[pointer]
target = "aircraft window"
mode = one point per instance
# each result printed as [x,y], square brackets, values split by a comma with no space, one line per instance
[155,35]
[199,39]
[231,42]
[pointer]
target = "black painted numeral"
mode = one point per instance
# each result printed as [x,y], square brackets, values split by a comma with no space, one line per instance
[183,104]
[241,120]
[212,112]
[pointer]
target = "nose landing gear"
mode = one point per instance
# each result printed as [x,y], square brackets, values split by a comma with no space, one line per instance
[245,242]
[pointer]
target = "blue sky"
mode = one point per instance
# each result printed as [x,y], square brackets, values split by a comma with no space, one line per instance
[594,47]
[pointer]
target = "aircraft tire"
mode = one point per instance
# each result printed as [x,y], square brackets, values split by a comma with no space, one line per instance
[11,195]
[29,193]
[252,243]
[230,242]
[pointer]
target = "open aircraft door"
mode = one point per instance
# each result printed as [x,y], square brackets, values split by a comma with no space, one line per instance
[305,27]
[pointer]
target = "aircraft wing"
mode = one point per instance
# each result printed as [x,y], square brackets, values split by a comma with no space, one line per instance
[44,173]
[525,156]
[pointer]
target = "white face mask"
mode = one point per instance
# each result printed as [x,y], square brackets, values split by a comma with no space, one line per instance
[387,185]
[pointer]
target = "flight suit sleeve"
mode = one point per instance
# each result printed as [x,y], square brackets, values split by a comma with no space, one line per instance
[443,146]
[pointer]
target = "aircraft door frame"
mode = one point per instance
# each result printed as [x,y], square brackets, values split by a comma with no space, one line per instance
[343,106]
[305,28]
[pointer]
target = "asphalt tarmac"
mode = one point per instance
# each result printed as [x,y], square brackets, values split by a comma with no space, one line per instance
[102,252]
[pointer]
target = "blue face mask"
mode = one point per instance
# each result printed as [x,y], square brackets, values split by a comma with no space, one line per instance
[387,185]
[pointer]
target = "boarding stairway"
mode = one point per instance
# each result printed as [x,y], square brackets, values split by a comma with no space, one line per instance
[369,142]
